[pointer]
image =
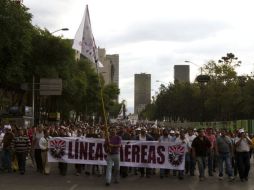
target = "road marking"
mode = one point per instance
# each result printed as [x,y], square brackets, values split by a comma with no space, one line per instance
[74,187]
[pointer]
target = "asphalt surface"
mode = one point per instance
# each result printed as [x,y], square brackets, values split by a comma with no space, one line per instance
[36,181]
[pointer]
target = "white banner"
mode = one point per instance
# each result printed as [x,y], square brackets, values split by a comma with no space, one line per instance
[150,154]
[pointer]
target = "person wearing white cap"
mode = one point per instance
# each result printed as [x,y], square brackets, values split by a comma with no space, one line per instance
[143,136]
[243,143]
[172,135]
[164,139]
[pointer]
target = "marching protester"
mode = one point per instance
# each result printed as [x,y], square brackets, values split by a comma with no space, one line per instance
[164,139]
[43,143]
[7,153]
[89,169]
[243,143]
[37,150]
[172,136]
[78,167]
[21,146]
[183,141]
[112,146]
[143,136]
[125,136]
[210,161]
[224,150]
[62,166]
[200,147]
[189,161]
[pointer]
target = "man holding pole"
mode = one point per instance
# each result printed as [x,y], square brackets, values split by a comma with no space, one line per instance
[112,147]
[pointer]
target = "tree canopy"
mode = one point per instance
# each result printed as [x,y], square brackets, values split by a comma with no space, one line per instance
[226,96]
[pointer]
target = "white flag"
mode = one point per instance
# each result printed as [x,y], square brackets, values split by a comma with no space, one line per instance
[84,41]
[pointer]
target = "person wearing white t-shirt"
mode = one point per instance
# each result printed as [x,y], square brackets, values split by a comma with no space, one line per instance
[242,143]
[164,139]
[182,140]
[189,161]
[43,143]
[143,136]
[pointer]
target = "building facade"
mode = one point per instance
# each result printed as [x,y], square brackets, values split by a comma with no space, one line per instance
[182,73]
[142,91]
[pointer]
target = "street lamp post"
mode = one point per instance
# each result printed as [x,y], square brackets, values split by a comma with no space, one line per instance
[202,79]
[33,84]
[62,29]
[187,61]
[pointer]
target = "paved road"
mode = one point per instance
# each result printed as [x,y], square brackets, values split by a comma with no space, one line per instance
[35,181]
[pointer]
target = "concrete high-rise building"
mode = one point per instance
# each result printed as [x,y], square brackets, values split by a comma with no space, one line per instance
[110,69]
[142,91]
[182,73]
[114,62]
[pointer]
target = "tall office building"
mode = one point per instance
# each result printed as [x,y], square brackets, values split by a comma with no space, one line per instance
[142,91]
[110,69]
[182,73]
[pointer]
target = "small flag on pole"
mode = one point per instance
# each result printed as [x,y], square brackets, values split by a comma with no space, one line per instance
[84,41]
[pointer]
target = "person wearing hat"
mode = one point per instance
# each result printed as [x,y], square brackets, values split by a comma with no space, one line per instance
[143,136]
[7,155]
[164,139]
[200,147]
[172,136]
[189,161]
[243,143]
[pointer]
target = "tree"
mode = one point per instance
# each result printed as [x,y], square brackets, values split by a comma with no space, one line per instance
[15,45]
[15,41]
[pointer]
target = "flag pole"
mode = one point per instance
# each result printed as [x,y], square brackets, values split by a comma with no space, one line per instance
[106,147]
[100,84]
[84,42]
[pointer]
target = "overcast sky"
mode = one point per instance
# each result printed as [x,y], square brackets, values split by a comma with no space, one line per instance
[152,36]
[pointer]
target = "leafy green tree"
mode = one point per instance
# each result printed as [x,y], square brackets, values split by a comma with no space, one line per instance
[15,41]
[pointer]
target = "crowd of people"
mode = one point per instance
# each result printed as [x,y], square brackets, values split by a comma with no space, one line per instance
[218,151]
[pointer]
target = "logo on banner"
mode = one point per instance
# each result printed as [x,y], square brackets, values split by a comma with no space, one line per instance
[176,155]
[57,148]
